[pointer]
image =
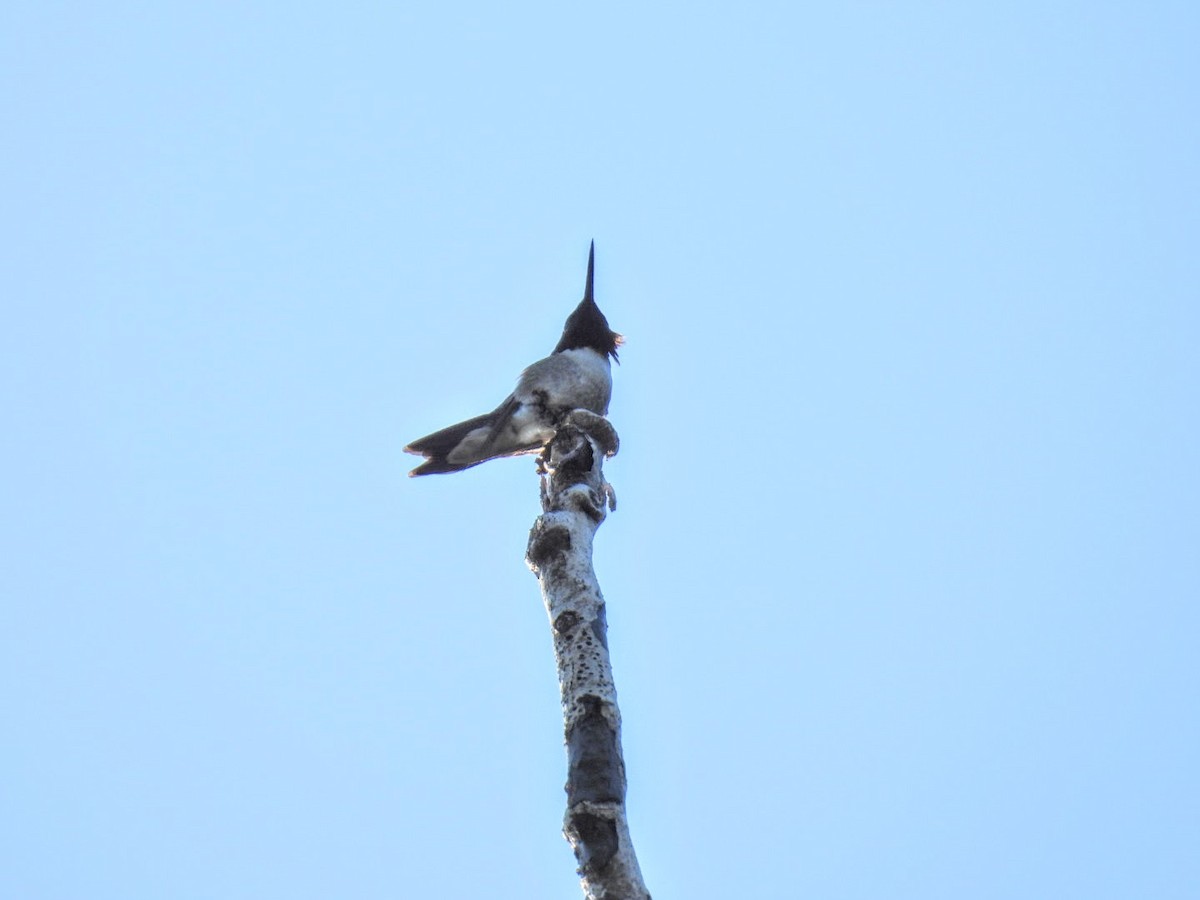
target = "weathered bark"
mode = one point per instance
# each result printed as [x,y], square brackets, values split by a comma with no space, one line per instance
[575,499]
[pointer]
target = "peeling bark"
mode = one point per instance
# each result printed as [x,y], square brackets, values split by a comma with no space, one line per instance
[575,500]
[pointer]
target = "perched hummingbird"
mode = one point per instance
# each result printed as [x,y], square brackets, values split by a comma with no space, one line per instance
[577,375]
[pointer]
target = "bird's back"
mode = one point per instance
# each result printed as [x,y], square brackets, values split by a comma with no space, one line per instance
[571,379]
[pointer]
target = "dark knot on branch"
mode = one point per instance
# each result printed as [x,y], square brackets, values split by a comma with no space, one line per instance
[571,464]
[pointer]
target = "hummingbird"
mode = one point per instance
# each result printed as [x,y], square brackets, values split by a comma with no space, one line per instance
[577,375]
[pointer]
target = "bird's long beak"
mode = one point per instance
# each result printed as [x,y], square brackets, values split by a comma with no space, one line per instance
[587,290]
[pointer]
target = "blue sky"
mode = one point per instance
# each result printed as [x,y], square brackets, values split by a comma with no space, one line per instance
[903,584]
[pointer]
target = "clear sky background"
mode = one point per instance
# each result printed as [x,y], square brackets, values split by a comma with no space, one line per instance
[903,587]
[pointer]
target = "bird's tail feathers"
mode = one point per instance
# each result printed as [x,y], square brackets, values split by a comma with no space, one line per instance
[464,445]
[437,447]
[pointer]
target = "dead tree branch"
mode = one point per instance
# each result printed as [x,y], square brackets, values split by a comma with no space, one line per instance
[575,500]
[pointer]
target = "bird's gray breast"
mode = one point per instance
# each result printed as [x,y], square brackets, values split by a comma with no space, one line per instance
[574,379]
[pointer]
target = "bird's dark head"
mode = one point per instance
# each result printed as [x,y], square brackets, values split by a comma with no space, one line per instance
[586,326]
